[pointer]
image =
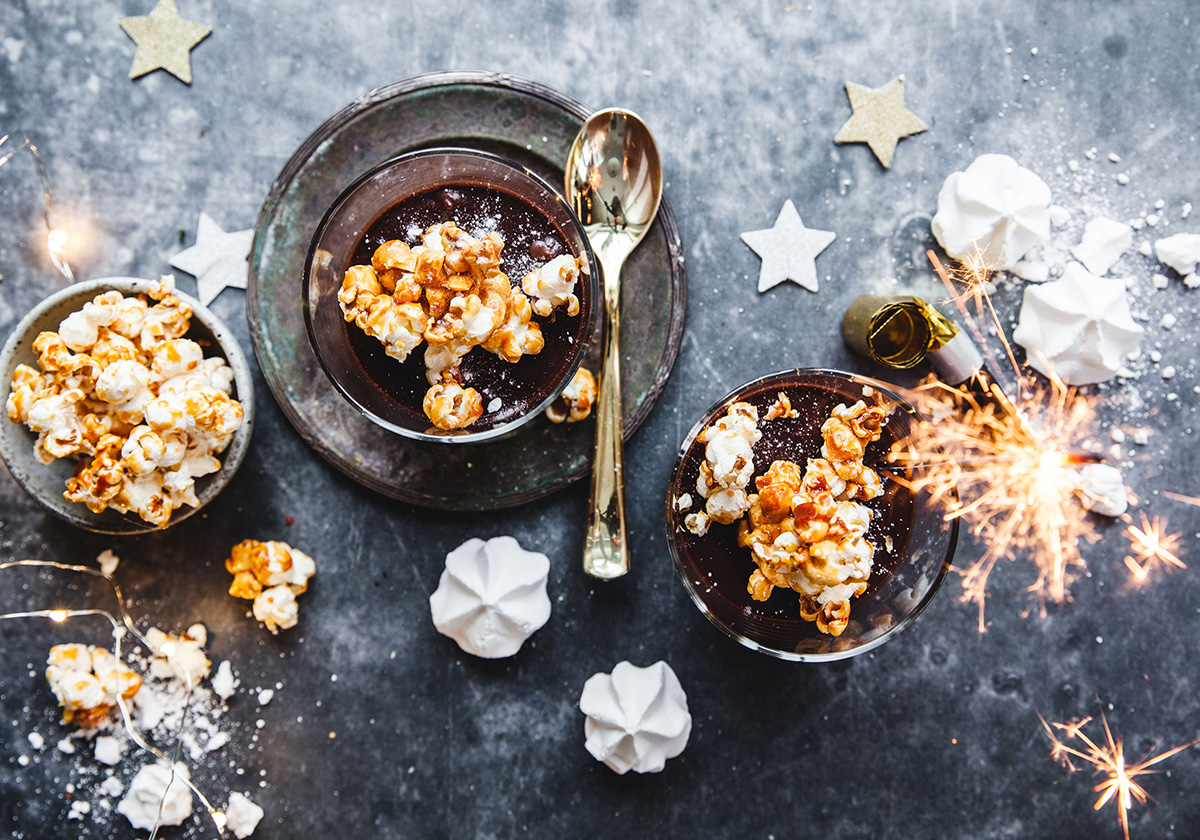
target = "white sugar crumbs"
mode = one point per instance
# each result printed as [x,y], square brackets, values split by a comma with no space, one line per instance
[106,760]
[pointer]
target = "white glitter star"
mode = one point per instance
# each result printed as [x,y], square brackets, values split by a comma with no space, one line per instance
[789,250]
[218,260]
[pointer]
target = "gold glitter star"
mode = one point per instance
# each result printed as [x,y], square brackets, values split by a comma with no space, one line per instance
[164,41]
[879,119]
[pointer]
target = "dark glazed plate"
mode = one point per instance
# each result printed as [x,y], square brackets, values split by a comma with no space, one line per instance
[913,543]
[520,120]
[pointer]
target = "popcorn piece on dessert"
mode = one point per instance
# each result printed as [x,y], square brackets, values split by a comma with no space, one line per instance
[87,681]
[576,400]
[553,285]
[846,433]
[451,406]
[449,291]
[271,574]
[728,465]
[781,408]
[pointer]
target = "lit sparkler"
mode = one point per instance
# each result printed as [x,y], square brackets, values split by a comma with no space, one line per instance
[121,625]
[970,280]
[1108,758]
[1194,501]
[56,239]
[1151,545]
[1010,474]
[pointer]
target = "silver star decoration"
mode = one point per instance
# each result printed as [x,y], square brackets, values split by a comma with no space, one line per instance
[218,260]
[789,250]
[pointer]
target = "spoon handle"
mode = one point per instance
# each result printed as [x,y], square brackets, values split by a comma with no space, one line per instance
[605,553]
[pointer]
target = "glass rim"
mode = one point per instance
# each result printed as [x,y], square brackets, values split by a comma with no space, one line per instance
[794,656]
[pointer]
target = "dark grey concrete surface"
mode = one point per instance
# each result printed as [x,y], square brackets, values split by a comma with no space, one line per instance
[934,735]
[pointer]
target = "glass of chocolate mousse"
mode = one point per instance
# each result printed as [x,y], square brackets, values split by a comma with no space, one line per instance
[449,295]
[789,527]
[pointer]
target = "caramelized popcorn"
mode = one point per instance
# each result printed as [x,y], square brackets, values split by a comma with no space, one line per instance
[846,433]
[451,406]
[727,467]
[450,293]
[804,528]
[575,402]
[123,392]
[271,574]
[87,681]
[553,285]
[781,408]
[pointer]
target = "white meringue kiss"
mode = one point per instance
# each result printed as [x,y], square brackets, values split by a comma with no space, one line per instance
[491,596]
[637,718]
[995,208]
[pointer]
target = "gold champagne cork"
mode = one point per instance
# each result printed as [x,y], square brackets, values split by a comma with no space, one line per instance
[898,331]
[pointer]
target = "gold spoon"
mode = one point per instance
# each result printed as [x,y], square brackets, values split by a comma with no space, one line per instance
[613,183]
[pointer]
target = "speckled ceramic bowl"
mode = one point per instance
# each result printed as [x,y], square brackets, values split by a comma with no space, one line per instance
[46,482]
[914,545]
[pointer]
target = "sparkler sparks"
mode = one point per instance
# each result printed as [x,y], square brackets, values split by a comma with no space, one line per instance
[1010,474]
[1179,497]
[1151,545]
[1108,758]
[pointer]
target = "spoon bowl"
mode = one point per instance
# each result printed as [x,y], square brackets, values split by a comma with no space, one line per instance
[614,185]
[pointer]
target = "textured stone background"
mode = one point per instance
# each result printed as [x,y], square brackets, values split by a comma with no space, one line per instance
[932,736]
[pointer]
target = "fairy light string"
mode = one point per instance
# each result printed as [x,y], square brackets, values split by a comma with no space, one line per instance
[121,627]
[56,238]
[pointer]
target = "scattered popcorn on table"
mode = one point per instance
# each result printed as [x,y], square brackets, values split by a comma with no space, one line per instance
[450,293]
[576,401]
[271,574]
[181,656]
[121,390]
[87,681]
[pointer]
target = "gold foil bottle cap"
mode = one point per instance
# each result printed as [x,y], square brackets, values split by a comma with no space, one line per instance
[898,331]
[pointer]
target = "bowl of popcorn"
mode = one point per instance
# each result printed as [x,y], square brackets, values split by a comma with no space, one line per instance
[789,527]
[449,295]
[129,405]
